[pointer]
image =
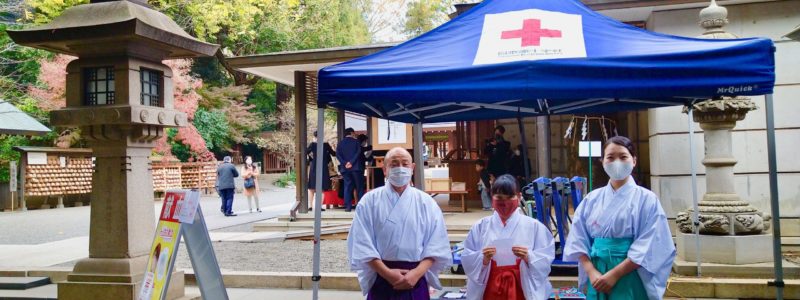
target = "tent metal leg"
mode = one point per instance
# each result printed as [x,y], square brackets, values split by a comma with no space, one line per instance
[774,202]
[419,170]
[524,149]
[696,211]
[318,199]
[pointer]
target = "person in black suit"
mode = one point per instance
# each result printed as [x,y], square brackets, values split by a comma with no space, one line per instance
[498,151]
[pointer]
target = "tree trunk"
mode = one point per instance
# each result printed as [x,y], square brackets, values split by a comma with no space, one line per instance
[282,95]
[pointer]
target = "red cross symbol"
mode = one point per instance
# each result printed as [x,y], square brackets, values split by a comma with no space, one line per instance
[531,33]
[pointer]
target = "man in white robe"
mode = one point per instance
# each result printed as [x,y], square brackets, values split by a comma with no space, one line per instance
[630,212]
[523,231]
[398,242]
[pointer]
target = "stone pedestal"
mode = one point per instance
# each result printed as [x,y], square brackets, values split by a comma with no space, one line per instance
[121,217]
[725,249]
[120,94]
[722,212]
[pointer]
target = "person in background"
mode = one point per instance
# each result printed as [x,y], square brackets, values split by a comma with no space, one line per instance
[351,166]
[250,175]
[530,241]
[484,184]
[398,242]
[311,155]
[366,149]
[515,166]
[499,151]
[620,234]
[226,172]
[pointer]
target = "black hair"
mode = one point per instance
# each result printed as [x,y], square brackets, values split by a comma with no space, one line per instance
[362,137]
[505,185]
[349,131]
[501,128]
[621,141]
[480,162]
[315,133]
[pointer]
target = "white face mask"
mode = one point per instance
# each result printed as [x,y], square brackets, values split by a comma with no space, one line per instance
[618,170]
[249,161]
[400,176]
[516,152]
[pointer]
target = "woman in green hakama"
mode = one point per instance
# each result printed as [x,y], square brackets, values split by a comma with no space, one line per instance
[620,235]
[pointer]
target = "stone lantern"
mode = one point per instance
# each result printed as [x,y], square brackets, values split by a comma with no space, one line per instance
[736,223]
[120,94]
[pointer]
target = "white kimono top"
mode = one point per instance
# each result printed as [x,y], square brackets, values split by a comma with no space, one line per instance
[408,227]
[524,231]
[630,212]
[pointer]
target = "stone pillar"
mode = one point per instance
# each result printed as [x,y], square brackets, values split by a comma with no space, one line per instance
[722,212]
[120,94]
[731,230]
[120,234]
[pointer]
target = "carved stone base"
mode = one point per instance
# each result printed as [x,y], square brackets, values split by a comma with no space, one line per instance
[725,218]
[730,250]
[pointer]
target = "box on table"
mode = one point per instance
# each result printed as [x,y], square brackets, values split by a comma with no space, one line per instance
[458,186]
[437,184]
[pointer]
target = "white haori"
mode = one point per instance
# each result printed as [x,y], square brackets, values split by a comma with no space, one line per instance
[524,231]
[630,212]
[408,227]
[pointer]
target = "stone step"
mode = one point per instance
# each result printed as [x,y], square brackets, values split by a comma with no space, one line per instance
[326,216]
[22,283]
[44,292]
[688,287]
[273,225]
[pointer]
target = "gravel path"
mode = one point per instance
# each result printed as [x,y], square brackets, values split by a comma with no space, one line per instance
[287,256]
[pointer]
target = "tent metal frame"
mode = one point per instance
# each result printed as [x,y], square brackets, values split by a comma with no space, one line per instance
[502,105]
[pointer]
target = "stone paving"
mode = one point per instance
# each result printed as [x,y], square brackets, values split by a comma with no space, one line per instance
[58,237]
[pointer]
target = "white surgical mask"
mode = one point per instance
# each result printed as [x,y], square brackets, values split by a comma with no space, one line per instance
[400,176]
[517,152]
[618,170]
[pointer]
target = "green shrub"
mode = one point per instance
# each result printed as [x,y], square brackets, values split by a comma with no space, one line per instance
[286,179]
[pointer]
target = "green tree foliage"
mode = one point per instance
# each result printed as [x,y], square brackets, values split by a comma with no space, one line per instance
[45,10]
[213,127]
[424,15]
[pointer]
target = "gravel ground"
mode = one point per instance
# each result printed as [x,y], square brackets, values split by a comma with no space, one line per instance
[287,256]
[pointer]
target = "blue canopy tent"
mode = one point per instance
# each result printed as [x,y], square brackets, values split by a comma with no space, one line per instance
[516,58]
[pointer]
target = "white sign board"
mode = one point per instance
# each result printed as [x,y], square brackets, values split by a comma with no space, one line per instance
[12,173]
[391,132]
[583,148]
[37,158]
[530,34]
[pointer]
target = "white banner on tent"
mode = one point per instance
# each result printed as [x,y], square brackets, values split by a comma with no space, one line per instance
[530,34]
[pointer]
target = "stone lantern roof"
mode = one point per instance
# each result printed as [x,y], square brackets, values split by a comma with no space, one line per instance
[115,28]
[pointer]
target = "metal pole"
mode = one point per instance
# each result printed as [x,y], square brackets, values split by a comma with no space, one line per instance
[419,170]
[524,148]
[774,201]
[696,211]
[315,277]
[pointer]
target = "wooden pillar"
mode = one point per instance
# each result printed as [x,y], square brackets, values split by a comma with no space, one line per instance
[419,171]
[543,145]
[301,121]
[340,124]
[369,130]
